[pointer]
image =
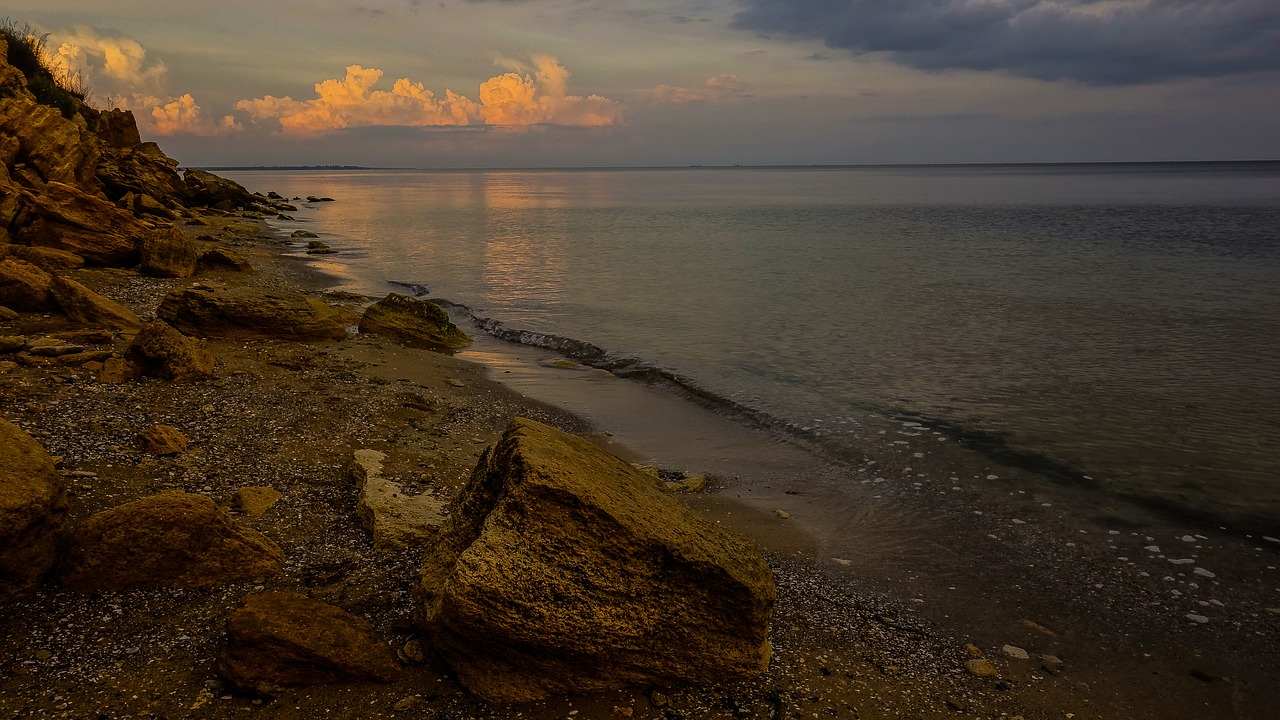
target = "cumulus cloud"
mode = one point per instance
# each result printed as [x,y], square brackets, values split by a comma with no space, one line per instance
[1098,42]
[184,117]
[718,87]
[118,65]
[539,96]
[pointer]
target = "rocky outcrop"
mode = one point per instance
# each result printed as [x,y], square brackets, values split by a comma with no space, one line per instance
[164,352]
[23,286]
[33,505]
[170,540]
[144,171]
[66,218]
[169,253]
[277,641]
[205,188]
[396,518]
[413,322]
[56,148]
[117,129]
[245,312]
[86,306]
[47,259]
[564,570]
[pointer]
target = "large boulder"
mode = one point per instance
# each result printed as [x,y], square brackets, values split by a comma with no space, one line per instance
[282,640]
[23,286]
[33,505]
[414,322]
[84,305]
[170,540]
[205,188]
[164,352]
[169,253]
[562,569]
[66,218]
[245,312]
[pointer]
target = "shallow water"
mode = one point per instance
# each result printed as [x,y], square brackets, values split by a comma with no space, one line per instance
[1108,327]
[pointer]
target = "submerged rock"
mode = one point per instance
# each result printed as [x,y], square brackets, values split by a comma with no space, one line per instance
[281,640]
[564,570]
[246,312]
[413,322]
[33,505]
[174,540]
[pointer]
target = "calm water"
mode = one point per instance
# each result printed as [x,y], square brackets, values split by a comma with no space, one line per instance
[1117,326]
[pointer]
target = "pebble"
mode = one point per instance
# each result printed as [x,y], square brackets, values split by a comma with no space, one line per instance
[784,515]
[1152,548]
[1197,618]
[841,561]
[1182,561]
[455,382]
[1016,652]
[1204,573]
[1188,538]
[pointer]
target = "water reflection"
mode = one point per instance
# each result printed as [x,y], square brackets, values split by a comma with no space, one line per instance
[526,229]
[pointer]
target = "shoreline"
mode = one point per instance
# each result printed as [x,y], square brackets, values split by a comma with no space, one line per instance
[1117,660]
[844,645]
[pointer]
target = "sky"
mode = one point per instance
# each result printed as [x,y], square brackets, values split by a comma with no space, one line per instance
[571,83]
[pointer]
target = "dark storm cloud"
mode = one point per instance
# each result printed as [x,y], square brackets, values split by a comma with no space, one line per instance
[1099,42]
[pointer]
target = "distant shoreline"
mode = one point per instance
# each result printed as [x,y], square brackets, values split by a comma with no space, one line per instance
[1164,164]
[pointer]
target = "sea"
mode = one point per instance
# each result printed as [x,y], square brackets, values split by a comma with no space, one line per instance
[1009,396]
[1110,326]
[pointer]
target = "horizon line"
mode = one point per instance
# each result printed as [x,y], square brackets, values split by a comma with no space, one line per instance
[695,166]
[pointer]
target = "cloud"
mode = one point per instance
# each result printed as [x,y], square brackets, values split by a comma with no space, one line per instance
[1097,42]
[184,117]
[539,96]
[718,87]
[117,65]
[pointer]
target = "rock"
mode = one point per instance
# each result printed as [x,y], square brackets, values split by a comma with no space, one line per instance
[12,343]
[255,501]
[66,218]
[117,129]
[222,259]
[1015,652]
[164,352]
[981,668]
[396,519]
[144,171]
[33,505]
[47,259]
[7,366]
[57,148]
[23,286]
[169,253]
[783,515]
[161,440]
[302,234]
[245,312]
[170,540]
[118,370]
[413,322]
[86,306]
[205,188]
[693,482]
[282,640]
[7,315]
[564,570]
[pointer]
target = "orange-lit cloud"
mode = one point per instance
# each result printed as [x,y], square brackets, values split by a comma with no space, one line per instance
[184,117]
[718,87]
[118,63]
[510,99]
